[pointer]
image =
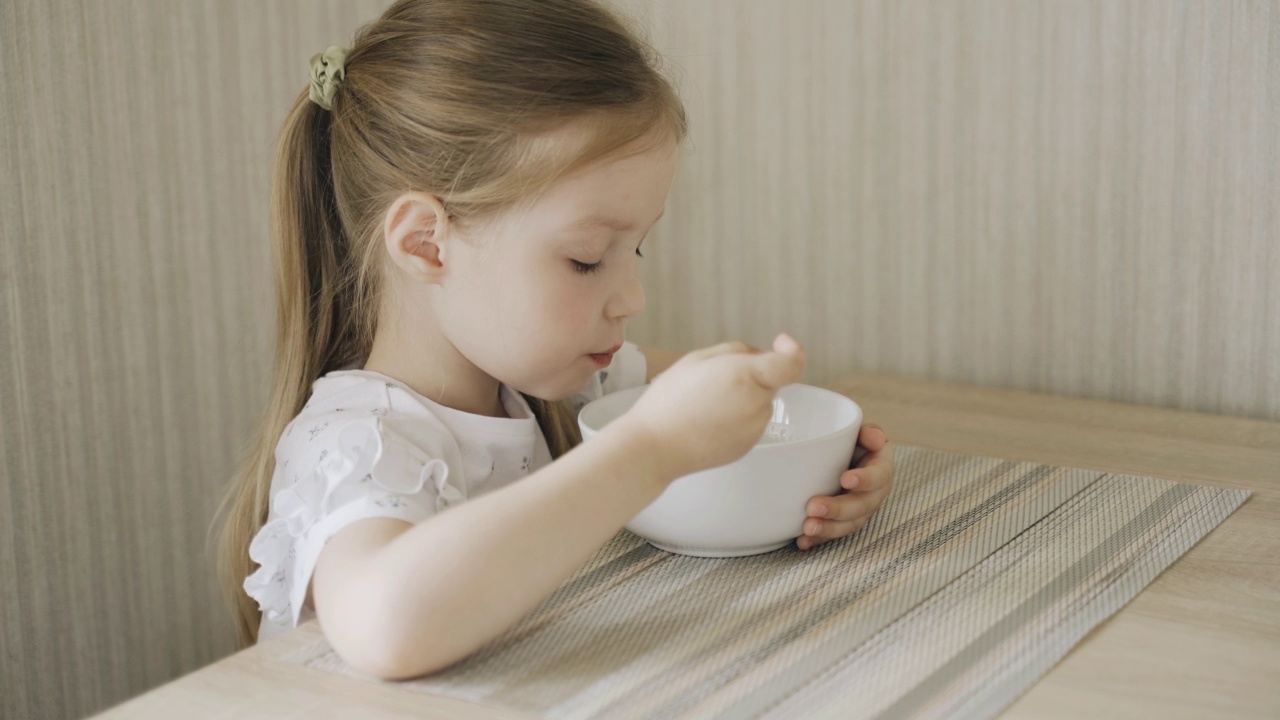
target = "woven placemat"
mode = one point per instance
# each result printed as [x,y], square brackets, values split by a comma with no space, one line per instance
[974,578]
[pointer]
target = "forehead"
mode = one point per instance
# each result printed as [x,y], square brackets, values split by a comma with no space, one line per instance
[602,222]
[619,193]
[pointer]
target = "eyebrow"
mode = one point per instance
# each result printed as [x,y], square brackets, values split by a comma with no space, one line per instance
[608,223]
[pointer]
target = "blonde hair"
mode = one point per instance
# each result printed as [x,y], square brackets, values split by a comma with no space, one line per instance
[445,96]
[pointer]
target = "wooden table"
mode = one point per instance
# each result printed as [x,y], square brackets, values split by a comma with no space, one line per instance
[1201,641]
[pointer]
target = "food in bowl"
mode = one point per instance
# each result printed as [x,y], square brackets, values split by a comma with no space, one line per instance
[755,504]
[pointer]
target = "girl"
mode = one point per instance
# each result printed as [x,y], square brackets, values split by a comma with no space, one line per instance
[460,203]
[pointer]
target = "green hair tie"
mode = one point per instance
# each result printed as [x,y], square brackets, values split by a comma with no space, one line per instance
[327,74]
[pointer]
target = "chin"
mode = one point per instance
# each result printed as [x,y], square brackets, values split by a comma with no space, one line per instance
[555,389]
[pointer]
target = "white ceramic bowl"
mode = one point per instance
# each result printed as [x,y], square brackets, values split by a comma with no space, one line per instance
[757,503]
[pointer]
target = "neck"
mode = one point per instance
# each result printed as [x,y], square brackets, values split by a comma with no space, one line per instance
[426,361]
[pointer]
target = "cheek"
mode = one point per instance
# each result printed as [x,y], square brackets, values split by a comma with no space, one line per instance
[540,309]
[576,308]
[561,301]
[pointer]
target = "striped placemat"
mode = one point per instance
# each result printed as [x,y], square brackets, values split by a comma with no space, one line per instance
[975,577]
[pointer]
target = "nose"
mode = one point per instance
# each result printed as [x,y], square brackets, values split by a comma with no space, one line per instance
[628,301]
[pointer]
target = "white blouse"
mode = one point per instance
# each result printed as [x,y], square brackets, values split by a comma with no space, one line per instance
[366,445]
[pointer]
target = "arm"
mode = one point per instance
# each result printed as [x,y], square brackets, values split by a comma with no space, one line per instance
[399,600]
[656,361]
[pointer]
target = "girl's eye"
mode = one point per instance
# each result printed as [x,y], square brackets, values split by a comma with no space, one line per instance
[588,268]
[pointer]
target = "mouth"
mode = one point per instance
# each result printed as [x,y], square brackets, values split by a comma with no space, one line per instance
[605,358]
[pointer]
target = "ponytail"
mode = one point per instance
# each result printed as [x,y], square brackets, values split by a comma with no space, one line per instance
[558,423]
[321,325]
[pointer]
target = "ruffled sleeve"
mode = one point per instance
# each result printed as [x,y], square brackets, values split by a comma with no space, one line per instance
[363,470]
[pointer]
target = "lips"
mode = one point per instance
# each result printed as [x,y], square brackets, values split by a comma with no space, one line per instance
[604,359]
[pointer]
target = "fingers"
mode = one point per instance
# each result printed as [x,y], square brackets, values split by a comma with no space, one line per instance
[785,344]
[724,348]
[828,531]
[872,437]
[843,507]
[772,370]
[781,367]
[833,517]
[873,474]
[842,515]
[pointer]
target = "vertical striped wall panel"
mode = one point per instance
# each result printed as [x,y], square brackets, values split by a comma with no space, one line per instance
[135,321]
[1079,198]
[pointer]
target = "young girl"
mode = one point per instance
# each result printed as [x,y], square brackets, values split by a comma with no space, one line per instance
[460,203]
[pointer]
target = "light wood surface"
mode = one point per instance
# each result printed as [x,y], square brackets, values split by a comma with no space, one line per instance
[1203,640]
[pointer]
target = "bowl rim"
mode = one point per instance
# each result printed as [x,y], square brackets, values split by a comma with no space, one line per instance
[770,447]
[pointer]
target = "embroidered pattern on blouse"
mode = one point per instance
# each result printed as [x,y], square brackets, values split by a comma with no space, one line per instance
[386,472]
[366,455]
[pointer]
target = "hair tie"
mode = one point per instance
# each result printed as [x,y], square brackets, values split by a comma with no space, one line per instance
[327,74]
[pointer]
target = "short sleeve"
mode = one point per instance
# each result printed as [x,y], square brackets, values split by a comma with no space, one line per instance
[629,369]
[357,470]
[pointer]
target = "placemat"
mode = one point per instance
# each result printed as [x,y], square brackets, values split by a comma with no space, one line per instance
[973,579]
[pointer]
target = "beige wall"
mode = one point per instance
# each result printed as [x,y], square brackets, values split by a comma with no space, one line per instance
[134,323]
[1077,198]
[1070,197]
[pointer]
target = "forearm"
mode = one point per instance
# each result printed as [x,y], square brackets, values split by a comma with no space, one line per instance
[465,576]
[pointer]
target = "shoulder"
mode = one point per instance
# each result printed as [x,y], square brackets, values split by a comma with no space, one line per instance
[350,407]
[361,435]
[337,397]
[361,447]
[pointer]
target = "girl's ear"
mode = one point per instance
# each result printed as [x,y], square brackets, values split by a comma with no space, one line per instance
[415,231]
